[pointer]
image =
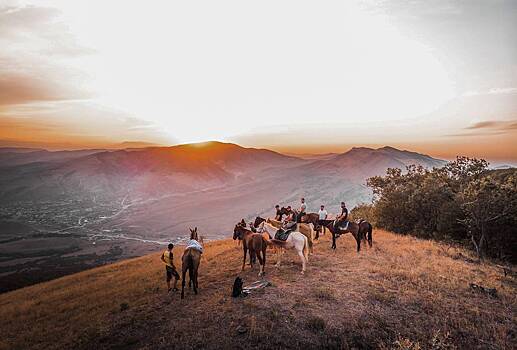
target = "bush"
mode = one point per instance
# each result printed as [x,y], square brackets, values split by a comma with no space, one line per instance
[462,202]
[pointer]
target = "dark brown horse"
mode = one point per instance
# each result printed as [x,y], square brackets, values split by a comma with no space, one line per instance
[190,261]
[255,243]
[360,231]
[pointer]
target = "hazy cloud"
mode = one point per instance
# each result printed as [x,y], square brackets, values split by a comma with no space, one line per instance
[20,88]
[494,124]
[31,37]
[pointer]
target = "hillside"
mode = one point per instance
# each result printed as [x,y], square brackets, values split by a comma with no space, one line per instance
[404,293]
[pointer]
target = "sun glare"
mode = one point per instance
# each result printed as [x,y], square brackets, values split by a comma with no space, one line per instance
[194,92]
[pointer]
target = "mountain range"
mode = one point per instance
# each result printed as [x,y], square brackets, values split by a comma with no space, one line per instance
[70,210]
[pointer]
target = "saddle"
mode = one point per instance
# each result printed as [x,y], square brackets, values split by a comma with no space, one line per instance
[282,234]
[342,225]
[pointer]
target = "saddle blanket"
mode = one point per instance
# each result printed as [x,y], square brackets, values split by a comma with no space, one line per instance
[344,225]
[282,235]
[194,245]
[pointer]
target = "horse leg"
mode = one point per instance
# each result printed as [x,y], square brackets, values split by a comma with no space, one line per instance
[194,272]
[183,274]
[333,240]
[264,248]
[253,256]
[358,240]
[311,245]
[279,256]
[191,274]
[261,263]
[370,240]
[244,259]
[301,254]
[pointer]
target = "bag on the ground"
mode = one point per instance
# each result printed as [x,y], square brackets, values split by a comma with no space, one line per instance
[237,287]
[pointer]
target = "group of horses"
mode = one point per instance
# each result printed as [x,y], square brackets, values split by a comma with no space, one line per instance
[258,235]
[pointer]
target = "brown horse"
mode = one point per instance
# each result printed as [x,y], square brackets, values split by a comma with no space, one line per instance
[360,231]
[255,243]
[190,261]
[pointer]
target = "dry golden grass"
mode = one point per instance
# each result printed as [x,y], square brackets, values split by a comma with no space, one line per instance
[404,293]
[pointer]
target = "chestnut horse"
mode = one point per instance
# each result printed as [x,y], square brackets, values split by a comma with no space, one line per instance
[360,231]
[190,261]
[253,242]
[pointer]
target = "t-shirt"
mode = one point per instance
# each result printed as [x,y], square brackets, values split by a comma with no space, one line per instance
[322,214]
[344,213]
[303,207]
[168,257]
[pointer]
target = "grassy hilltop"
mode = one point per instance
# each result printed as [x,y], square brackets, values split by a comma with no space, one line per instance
[405,293]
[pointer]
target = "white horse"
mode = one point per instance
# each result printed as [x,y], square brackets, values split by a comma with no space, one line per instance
[296,240]
[306,229]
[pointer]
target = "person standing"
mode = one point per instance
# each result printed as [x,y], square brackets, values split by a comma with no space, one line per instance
[170,270]
[322,216]
[302,211]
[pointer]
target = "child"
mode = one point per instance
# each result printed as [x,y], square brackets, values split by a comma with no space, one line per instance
[170,269]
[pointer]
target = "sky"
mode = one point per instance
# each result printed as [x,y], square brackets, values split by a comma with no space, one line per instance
[438,77]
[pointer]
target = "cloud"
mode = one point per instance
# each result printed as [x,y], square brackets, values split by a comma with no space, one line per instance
[19,88]
[494,125]
[35,45]
[18,21]
[488,128]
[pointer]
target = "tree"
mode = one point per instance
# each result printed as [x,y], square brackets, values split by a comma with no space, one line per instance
[487,204]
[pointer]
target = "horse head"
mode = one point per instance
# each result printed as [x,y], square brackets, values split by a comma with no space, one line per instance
[239,230]
[258,220]
[193,233]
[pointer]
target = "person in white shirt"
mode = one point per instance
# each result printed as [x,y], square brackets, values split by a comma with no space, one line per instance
[302,211]
[322,215]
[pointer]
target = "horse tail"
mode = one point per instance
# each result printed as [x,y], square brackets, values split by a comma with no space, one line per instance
[305,249]
[370,229]
[190,265]
[253,255]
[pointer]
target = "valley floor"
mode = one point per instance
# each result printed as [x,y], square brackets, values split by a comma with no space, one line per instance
[404,293]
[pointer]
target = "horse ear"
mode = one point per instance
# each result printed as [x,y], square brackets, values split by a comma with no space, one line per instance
[195,229]
[190,230]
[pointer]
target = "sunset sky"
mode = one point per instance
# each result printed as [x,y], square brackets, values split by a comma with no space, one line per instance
[295,76]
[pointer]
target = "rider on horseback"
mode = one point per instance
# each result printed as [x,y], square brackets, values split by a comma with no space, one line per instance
[342,219]
[278,214]
[287,225]
[301,213]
